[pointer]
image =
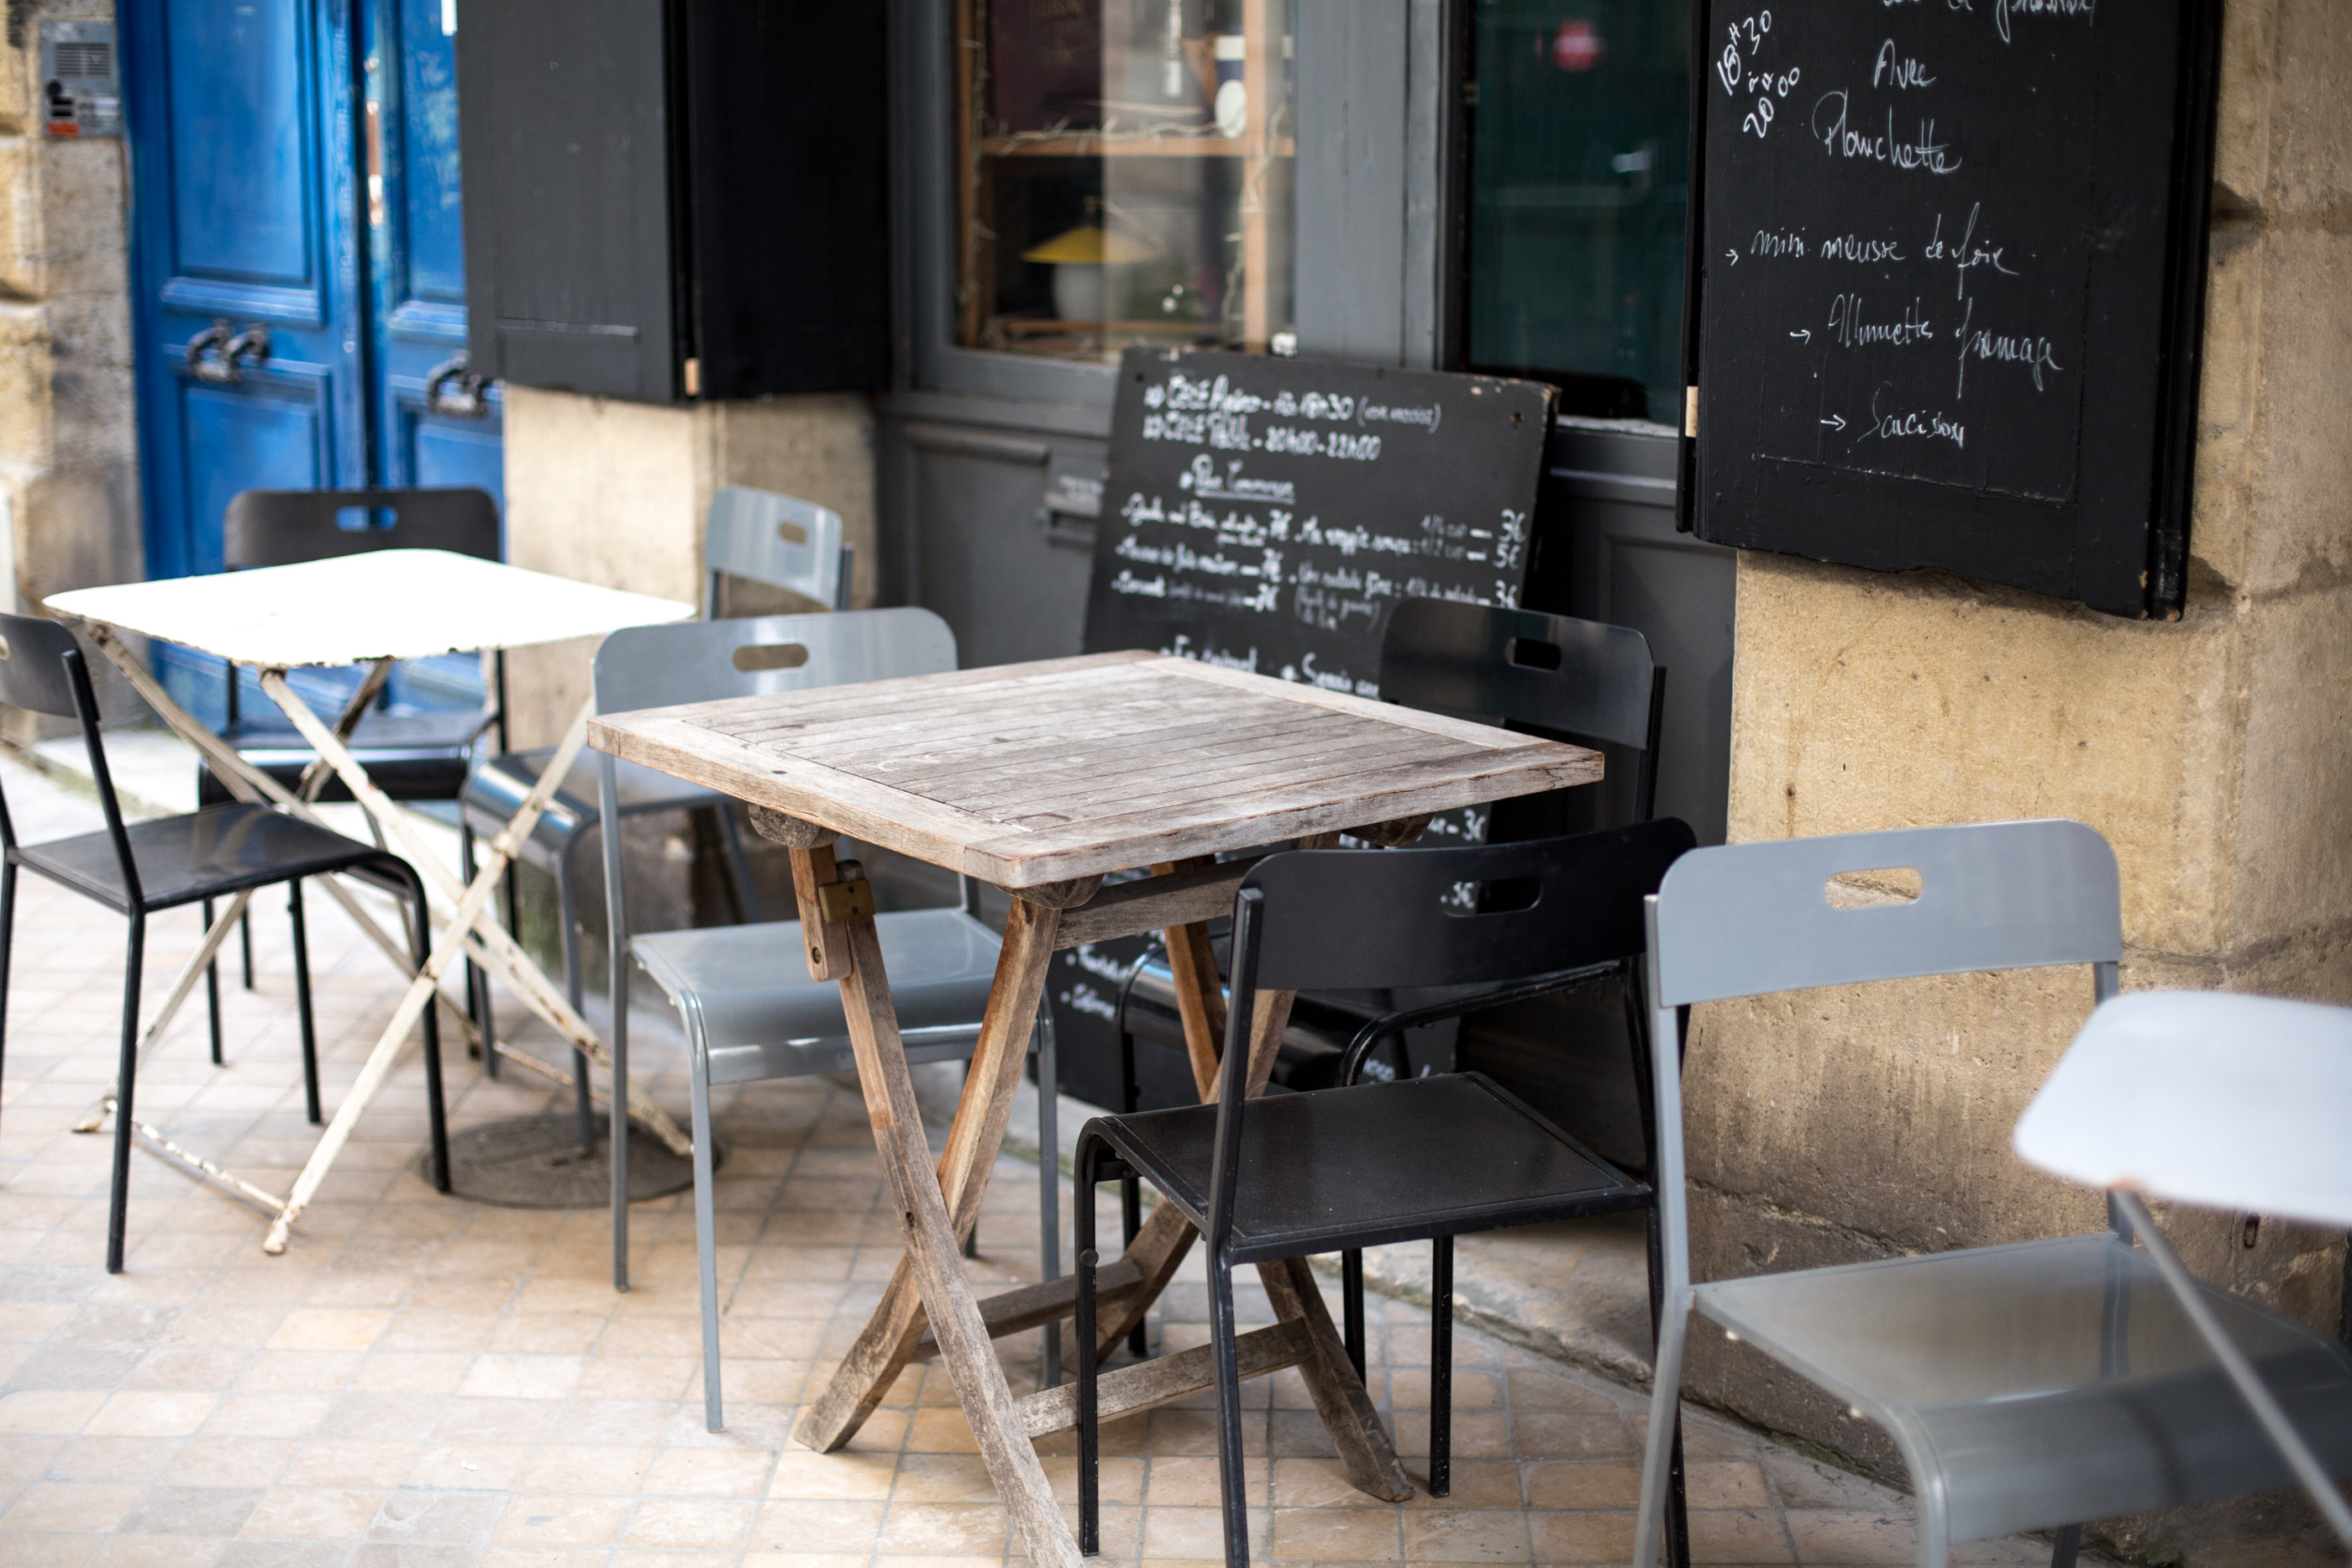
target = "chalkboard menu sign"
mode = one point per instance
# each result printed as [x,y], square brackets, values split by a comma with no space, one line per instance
[1264,513]
[1950,286]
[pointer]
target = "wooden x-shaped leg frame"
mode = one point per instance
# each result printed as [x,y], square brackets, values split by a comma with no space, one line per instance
[929,1308]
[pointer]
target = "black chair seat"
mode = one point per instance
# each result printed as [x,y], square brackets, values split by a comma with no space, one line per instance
[1443,1155]
[409,756]
[211,853]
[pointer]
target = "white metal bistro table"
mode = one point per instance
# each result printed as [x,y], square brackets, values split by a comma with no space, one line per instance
[375,610]
[1041,778]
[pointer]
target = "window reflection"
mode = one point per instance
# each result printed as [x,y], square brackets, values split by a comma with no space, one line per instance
[1127,174]
[1580,142]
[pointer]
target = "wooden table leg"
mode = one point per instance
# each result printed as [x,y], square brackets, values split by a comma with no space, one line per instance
[933,1235]
[893,1333]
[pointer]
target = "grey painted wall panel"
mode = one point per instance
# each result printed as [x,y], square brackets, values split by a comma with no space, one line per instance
[1352,145]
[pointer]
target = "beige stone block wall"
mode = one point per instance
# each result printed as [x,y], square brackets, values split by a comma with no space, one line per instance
[69,513]
[614,493]
[2214,752]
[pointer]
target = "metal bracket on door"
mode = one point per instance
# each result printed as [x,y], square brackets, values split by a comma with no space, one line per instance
[452,388]
[221,367]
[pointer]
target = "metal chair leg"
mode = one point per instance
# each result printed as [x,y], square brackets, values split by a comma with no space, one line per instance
[583,1105]
[1440,1366]
[7,944]
[1351,1307]
[1049,1186]
[1233,1493]
[211,990]
[302,1000]
[706,1231]
[1082,1227]
[126,1072]
[436,1118]
[739,864]
[1130,1191]
[244,944]
[477,979]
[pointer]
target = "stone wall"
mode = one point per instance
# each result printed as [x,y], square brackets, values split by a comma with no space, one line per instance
[614,493]
[68,432]
[2214,752]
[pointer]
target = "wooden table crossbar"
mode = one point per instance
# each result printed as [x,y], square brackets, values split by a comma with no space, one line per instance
[1044,778]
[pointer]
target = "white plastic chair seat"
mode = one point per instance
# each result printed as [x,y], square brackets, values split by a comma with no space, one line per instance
[747,999]
[495,789]
[2038,1384]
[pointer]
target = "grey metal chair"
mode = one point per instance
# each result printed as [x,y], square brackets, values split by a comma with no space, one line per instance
[2232,1102]
[779,540]
[2030,1387]
[775,539]
[751,1011]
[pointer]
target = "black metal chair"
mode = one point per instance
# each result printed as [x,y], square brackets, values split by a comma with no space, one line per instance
[414,756]
[142,868]
[1553,675]
[1371,1164]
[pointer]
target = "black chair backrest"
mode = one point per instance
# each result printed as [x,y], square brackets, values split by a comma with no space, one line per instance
[1347,919]
[1554,674]
[282,528]
[42,671]
[34,674]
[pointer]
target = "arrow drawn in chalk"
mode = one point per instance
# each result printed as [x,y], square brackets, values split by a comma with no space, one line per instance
[1802,335]
[1835,422]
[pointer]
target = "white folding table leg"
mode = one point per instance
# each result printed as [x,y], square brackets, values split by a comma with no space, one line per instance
[471,907]
[2250,1385]
[528,981]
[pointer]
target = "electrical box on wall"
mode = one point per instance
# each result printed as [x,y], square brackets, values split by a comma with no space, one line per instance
[81,84]
[676,199]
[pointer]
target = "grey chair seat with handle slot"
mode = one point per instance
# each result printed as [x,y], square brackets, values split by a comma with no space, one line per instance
[2028,1387]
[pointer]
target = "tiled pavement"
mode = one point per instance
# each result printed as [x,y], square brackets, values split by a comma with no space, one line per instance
[423,1380]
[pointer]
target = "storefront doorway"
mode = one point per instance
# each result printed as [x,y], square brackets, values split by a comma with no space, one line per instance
[1441,184]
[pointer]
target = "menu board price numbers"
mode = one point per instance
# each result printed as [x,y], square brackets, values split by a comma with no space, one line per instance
[1745,37]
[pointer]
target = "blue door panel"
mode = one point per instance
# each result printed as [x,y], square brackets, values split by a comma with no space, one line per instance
[441,452]
[236,86]
[428,165]
[249,442]
[295,179]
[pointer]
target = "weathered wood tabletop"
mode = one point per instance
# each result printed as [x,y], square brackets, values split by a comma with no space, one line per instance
[1041,778]
[1030,774]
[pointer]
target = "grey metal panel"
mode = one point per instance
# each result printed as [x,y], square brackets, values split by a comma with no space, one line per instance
[1432,135]
[566,151]
[981,544]
[1613,487]
[1351,179]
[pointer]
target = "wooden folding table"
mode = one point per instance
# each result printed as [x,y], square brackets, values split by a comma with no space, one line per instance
[374,608]
[1041,778]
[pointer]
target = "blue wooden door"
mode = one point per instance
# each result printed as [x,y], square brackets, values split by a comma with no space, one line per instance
[434,424]
[296,244]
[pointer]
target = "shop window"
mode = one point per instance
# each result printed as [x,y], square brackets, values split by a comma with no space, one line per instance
[1126,175]
[1579,154]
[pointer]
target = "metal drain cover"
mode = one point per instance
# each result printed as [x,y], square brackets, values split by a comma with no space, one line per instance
[536,1162]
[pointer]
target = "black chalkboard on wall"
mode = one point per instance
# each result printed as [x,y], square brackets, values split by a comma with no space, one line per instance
[1266,513]
[1949,288]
